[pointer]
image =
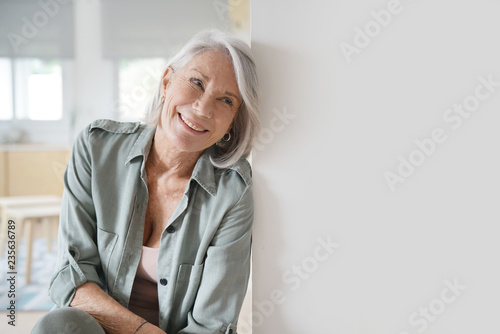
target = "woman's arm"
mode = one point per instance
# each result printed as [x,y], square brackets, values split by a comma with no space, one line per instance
[112,316]
[77,279]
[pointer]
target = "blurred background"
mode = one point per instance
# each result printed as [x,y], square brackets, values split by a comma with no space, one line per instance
[64,64]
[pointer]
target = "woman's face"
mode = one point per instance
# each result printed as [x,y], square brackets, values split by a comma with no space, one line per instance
[201,101]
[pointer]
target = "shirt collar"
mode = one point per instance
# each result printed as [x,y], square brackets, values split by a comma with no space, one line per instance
[203,172]
[142,145]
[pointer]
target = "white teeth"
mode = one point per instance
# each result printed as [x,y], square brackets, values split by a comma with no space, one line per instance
[191,125]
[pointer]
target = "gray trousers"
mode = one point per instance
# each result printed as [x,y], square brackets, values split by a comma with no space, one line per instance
[67,320]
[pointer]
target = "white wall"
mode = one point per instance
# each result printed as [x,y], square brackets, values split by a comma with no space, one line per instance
[333,128]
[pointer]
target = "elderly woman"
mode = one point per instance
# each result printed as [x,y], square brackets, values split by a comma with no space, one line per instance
[155,230]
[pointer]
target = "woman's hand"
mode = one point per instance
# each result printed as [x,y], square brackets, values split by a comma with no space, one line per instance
[113,317]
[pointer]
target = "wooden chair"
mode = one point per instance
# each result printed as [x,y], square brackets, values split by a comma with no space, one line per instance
[25,212]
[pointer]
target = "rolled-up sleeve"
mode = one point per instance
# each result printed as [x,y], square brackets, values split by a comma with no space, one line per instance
[78,260]
[226,272]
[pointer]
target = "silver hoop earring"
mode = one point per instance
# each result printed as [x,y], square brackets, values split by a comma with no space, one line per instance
[228,137]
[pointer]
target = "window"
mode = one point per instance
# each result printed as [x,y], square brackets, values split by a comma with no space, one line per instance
[31,89]
[137,80]
[41,95]
[36,71]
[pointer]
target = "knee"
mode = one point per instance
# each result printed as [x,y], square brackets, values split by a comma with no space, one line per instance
[67,320]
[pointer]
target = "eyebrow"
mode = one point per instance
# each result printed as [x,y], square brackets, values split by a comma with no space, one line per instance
[203,75]
[226,92]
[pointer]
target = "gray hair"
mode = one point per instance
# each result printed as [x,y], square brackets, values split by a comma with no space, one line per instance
[246,124]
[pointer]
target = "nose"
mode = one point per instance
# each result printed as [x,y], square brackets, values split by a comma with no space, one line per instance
[204,106]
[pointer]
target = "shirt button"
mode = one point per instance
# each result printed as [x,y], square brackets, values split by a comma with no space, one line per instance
[163,281]
[72,253]
[230,331]
[170,229]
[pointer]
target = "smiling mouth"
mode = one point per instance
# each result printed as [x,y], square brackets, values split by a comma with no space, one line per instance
[191,125]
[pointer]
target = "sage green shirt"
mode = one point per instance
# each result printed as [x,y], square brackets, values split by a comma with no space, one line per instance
[204,255]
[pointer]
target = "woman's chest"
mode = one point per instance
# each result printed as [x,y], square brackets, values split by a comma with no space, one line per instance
[162,203]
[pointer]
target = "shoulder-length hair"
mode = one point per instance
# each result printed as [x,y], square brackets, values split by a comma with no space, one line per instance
[246,124]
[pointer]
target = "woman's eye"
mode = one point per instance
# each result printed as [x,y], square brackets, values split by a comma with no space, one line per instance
[197,82]
[228,101]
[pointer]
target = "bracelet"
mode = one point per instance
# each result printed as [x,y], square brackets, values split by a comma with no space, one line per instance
[145,322]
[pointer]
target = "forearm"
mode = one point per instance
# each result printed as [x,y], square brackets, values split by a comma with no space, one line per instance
[113,317]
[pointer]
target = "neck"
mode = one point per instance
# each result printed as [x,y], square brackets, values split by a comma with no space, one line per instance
[167,158]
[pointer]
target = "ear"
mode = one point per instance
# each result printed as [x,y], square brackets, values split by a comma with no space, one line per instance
[166,79]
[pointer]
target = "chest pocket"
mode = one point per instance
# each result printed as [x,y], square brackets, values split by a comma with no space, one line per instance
[106,242]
